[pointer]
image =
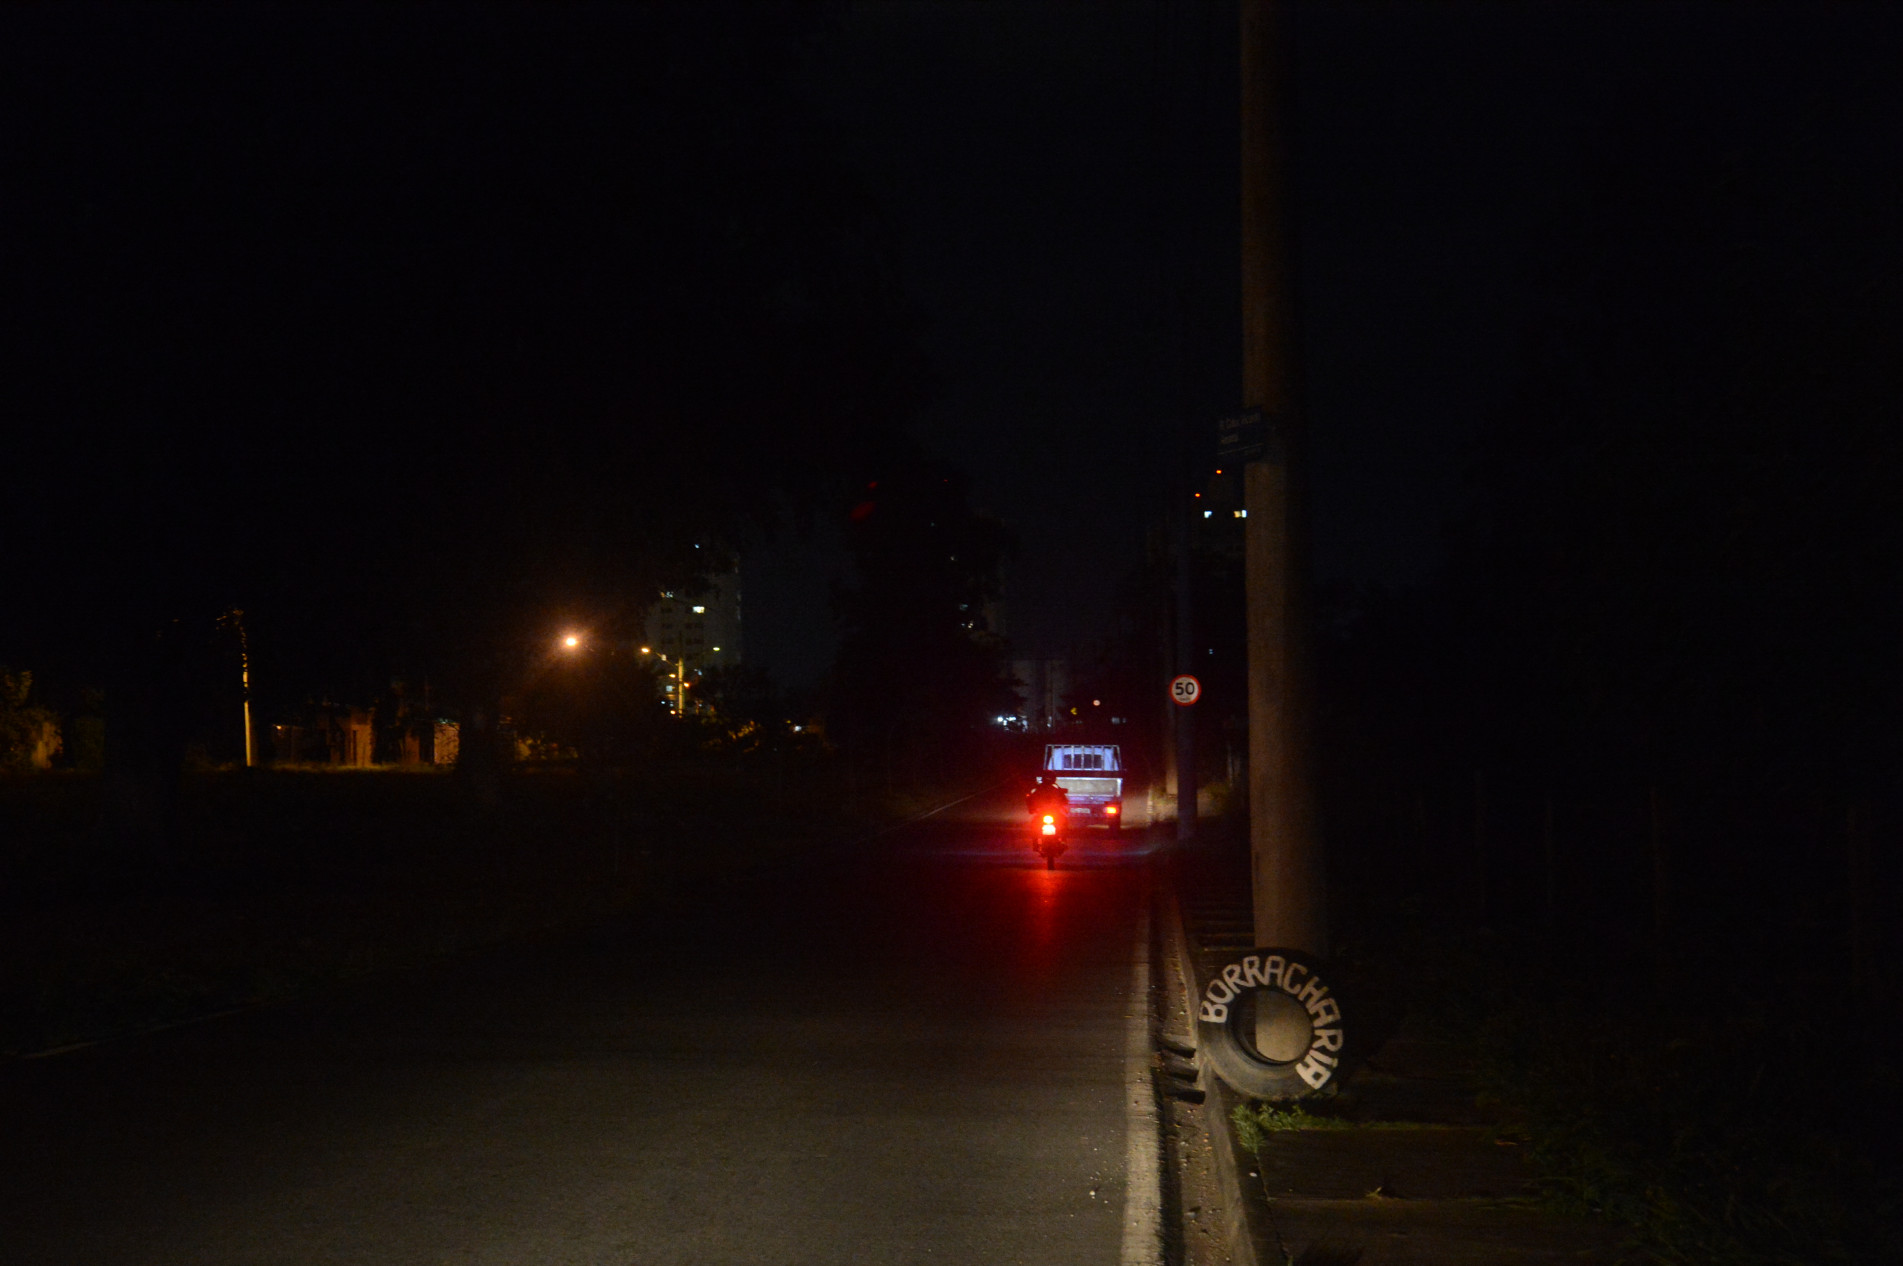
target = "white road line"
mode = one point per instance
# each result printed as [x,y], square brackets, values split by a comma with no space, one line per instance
[1142,1169]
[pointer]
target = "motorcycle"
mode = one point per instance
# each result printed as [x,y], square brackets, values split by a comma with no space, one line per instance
[1049,836]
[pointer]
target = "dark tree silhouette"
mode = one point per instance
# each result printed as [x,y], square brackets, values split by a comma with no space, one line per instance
[919,676]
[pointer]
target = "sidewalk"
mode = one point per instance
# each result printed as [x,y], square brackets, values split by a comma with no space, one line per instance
[1409,1169]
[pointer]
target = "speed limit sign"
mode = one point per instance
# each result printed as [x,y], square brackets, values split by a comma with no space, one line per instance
[1186,690]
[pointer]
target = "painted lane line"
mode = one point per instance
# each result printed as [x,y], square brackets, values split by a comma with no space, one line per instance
[1142,1168]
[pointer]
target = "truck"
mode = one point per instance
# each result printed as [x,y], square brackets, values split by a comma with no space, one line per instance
[1091,774]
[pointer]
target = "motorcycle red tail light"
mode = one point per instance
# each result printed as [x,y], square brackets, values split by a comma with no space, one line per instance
[1050,828]
[1048,819]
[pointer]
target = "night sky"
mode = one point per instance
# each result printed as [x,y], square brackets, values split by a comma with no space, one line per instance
[1052,169]
[1059,182]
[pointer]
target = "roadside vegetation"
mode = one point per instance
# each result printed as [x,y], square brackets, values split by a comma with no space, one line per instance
[1608,800]
[155,879]
[1736,1111]
[278,882]
[1254,1122]
[1732,1106]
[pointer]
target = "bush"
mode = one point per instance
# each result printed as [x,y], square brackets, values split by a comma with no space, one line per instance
[1722,1115]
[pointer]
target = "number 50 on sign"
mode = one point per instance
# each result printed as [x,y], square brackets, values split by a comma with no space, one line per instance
[1186,690]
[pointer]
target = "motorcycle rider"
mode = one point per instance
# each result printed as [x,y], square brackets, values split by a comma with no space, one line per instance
[1048,797]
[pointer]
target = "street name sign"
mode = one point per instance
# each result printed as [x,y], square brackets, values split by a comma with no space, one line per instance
[1243,438]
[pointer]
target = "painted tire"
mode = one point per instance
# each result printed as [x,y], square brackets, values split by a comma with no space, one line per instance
[1287,998]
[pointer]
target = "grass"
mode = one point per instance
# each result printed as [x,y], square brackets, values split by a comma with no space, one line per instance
[1254,1122]
[280,882]
[1734,1112]
[1738,1114]
[1257,1120]
[1697,1136]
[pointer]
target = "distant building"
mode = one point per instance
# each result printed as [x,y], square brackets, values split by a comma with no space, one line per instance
[696,634]
[328,734]
[1044,683]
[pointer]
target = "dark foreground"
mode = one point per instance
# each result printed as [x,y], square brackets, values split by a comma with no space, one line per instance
[913,1053]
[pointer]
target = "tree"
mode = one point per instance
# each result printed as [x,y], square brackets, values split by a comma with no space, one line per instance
[920,674]
[29,734]
[1686,546]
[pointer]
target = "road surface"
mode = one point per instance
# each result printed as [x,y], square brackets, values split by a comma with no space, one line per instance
[919,1056]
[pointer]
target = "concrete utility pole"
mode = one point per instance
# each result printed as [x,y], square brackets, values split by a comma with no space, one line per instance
[1284,840]
[1185,718]
[1182,51]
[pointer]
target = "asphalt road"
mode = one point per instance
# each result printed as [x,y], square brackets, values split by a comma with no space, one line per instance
[919,1055]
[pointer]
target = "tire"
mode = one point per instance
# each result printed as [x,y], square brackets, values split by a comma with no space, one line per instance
[1306,1032]
[1050,860]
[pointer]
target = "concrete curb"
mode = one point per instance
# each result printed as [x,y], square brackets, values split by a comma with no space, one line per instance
[1248,1227]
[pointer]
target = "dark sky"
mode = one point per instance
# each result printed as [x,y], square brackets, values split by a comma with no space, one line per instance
[1060,180]
[1052,165]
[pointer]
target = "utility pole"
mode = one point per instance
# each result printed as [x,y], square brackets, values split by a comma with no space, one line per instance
[1185,718]
[1181,48]
[244,662]
[1284,839]
[235,618]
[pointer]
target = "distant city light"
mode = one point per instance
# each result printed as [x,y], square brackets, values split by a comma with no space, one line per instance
[646,651]
[1242,514]
[700,610]
[1208,513]
[716,650]
[571,641]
